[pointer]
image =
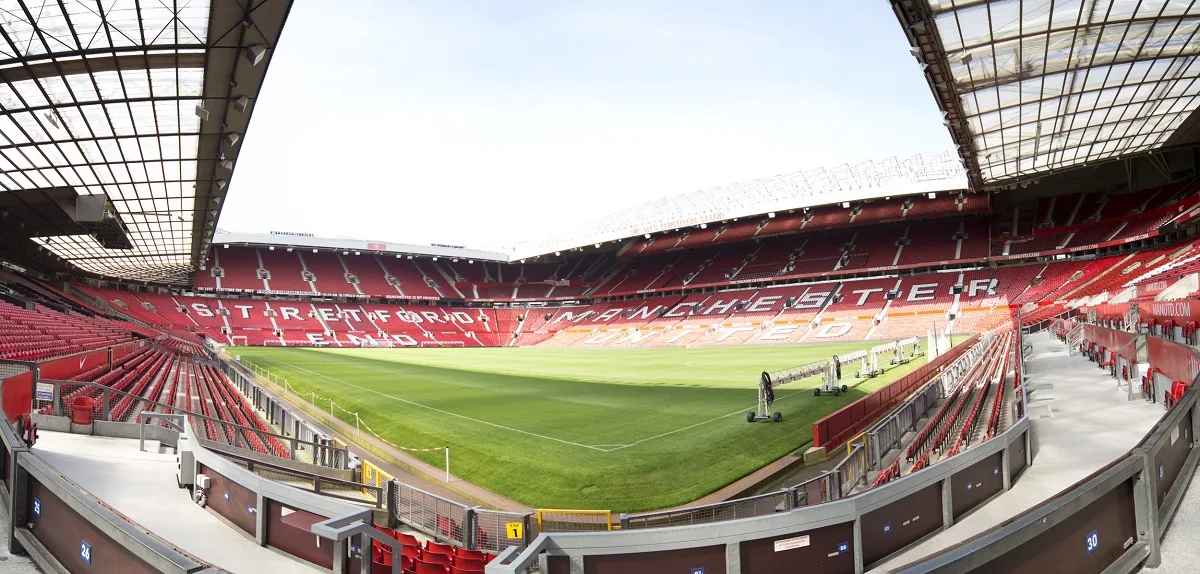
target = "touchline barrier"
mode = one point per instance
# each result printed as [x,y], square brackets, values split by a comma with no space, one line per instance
[1110,522]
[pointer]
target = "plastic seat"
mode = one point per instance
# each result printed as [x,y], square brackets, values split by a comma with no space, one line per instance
[432,547]
[443,559]
[469,563]
[460,552]
[430,568]
[457,570]
[82,409]
[406,539]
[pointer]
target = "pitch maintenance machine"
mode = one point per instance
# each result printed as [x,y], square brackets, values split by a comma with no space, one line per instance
[831,371]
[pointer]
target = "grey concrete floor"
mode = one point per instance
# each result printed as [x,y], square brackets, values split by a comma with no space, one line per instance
[142,486]
[1092,424]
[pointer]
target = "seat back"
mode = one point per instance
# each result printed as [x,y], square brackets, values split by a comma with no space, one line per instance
[432,547]
[469,563]
[432,558]
[430,568]
[460,552]
[82,409]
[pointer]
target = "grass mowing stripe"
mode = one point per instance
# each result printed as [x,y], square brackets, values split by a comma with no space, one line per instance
[414,403]
[589,397]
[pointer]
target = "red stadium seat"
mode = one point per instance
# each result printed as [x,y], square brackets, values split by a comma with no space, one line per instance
[82,410]
[431,568]
[435,558]
[432,547]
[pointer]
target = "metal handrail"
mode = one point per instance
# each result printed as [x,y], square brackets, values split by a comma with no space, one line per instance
[316,479]
[168,418]
[106,391]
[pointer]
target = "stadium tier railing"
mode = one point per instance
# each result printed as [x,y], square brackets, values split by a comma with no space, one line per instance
[833,430]
[888,432]
[318,453]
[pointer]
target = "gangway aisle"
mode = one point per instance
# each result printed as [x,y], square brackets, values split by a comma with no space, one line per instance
[1092,425]
[142,486]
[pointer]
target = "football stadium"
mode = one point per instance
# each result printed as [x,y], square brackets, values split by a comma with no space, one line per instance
[974,360]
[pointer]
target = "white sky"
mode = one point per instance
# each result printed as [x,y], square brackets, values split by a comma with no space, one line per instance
[476,123]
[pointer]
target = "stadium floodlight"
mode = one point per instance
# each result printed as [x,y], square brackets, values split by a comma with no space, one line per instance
[221,183]
[357,253]
[227,164]
[455,260]
[345,253]
[435,258]
[932,195]
[556,253]
[597,245]
[647,236]
[255,54]
[226,246]
[232,138]
[845,205]
[703,226]
[771,215]
[271,248]
[470,262]
[289,249]
[314,250]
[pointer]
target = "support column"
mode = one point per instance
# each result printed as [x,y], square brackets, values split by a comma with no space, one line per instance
[18,500]
[947,504]
[1004,465]
[856,541]
[260,521]
[1145,510]
[733,558]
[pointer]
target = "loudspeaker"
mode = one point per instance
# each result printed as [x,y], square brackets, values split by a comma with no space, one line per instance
[90,207]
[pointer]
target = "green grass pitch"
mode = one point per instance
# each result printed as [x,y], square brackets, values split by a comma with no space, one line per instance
[618,429]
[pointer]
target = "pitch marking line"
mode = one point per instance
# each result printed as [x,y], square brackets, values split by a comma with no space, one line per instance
[598,448]
[414,403]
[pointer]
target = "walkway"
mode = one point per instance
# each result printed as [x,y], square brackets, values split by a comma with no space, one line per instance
[142,486]
[1092,424]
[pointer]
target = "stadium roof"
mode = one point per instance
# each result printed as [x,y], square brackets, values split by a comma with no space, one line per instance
[138,104]
[1032,86]
[922,173]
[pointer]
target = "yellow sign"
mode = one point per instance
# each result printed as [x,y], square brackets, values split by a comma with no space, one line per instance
[515,530]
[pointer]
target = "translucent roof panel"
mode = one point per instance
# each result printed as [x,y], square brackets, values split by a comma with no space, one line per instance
[1050,84]
[100,97]
[141,101]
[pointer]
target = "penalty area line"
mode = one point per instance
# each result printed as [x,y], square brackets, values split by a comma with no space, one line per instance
[435,409]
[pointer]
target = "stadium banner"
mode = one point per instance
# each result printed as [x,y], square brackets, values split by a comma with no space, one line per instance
[1110,339]
[1160,311]
[1175,360]
[16,392]
[835,429]
[1111,312]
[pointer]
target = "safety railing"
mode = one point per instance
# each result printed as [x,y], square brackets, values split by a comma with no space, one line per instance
[851,471]
[432,514]
[761,505]
[348,490]
[212,429]
[887,433]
